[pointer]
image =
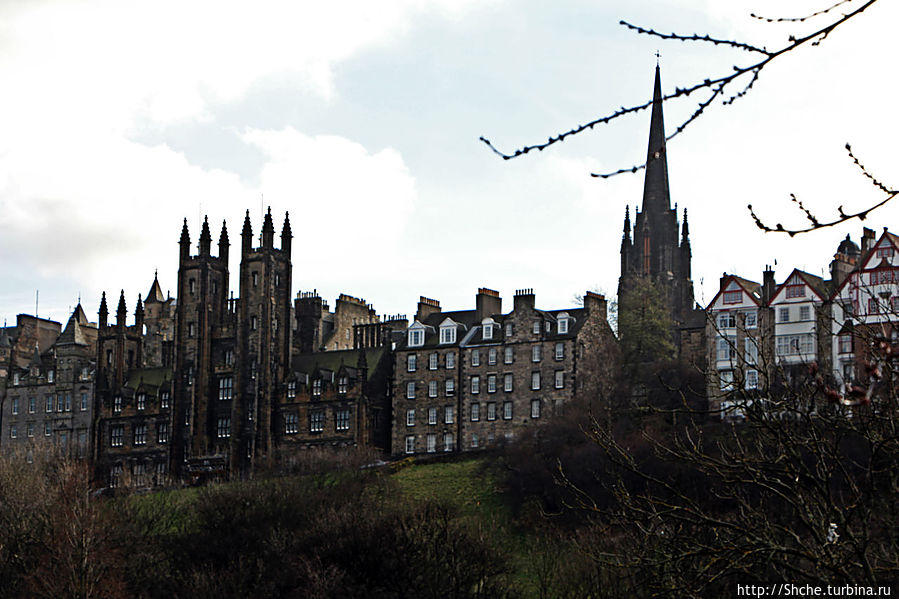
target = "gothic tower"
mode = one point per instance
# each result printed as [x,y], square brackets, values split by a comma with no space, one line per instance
[201,309]
[657,246]
[263,341]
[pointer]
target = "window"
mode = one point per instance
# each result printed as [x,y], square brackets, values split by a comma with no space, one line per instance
[563,325]
[15,378]
[49,404]
[60,403]
[342,420]
[884,252]
[432,415]
[560,379]
[431,442]
[507,410]
[342,384]
[535,381]
[68,402]
[140,434]
[448,334]
[109,357]
[117,435]
[163,400]
[316,421]
[475,385]
[410,390]
[254,323]
[51,376]
[432,388]
[15,406]
[873,306]
[450,386]
[491,410]
[191,286]
[410,417]
[475,412]
[30,429]
[255,279]
[475,357]
[535,353]
[491,356]
[474,441]
[13,431]
[508,355]
[491,383]
[410,444]
[85,373]
[751,319]
[432,361]
[752,379]
[291,424]
[447,442]
[508,329]
[805,313]
[726,348]
[848,372]
[726,380]
[536,328]
[291,389]
[411,363]
[795,291]
[751,350]
[535,408]
[560,351]
[507,382]
[894,304]
[784,315]
[116,403]
[32,404]
[727,320]
[416,337]
[223,427]
[449,414]
[229,357]
[162,433]
[451,360]
[792,345]
[845,344]
[317,388]
[192,329]
[226,384]
[487,331]
[733,297]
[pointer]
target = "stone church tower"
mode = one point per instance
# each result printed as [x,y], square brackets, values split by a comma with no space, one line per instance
[657,246]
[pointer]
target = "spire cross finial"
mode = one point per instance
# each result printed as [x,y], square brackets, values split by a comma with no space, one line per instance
[658,56]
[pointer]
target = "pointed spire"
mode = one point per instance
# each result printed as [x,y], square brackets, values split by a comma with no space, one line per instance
[224,242]
[627,222]
[656,197]
[184,242]
[685,230]
[268,230]
[286,234]
[155,296]
[246,234]
[121,311]
[205,238]
[139,310]
[104,311]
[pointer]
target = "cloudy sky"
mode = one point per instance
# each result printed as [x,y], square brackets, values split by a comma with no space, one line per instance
[119,119]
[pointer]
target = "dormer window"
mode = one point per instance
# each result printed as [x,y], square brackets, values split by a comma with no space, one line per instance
[317,388]
[563,323]
[342,385]
[448,334]
[416,337]
[291,389]
[488,331]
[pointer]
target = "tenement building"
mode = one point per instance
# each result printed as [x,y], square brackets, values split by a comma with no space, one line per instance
[470,379]
[47,385]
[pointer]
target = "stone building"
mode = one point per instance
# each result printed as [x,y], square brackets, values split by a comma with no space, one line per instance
[208,385]
[47,385]
[469,379]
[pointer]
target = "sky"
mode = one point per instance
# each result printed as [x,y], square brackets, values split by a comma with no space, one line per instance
[120,119]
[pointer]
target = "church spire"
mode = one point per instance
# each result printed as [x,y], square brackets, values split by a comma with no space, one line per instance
[627,223]
[685,230]
[656,198]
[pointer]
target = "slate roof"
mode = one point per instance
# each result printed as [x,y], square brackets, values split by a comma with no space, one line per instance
[332,361]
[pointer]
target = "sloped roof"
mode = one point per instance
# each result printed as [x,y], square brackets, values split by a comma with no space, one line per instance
[817,284]
[148,377]
[331,361]
[77,330]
